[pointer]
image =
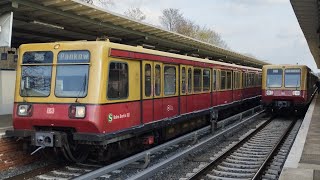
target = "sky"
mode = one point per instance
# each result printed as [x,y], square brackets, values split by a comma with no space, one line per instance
[267,29]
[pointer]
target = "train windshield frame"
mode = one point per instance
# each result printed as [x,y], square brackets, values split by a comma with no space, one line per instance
[292,77]
[36,74]
[72,74]
[274,78]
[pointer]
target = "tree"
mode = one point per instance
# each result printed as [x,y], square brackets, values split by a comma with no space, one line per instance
[100,3]
[210,36]
[171,18]
[136,14]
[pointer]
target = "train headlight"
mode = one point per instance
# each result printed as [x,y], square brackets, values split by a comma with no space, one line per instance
[80,112]
[269,93]
[24,110]
[296,93]
[76,111]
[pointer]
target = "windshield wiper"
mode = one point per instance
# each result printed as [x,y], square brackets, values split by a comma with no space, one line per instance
[82,88]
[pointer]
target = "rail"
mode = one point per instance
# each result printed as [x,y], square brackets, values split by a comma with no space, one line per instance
[146,154]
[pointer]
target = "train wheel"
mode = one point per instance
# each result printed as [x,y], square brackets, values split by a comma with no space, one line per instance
[75,152]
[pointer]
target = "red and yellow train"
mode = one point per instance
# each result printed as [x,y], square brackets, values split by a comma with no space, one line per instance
[99,96]
[288,87]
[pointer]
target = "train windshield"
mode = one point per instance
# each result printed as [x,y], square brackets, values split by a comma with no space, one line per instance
[72,74]
[274,78]
[292,78]
[36,74]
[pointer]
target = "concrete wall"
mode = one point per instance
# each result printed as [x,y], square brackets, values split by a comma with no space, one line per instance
[7,88]
[8,57]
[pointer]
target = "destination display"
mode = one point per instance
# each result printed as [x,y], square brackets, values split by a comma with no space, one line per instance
[37,57]
[293,71]
[81,56]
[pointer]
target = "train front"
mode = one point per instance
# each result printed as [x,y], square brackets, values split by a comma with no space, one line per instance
[52,98]
[284,86]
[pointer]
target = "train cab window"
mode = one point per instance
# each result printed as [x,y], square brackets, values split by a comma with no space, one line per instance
[147,80]
[72,78]
[214,80]
[197,78]
[206,79]
[157,79]
[223,80]
[36,78]
[118,81]
[274,77]
[169,80]
[183,80]
[229,78]
[189,80]
[292,77]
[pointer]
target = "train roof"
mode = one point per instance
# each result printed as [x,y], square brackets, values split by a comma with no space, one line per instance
[286,66]
[141,49]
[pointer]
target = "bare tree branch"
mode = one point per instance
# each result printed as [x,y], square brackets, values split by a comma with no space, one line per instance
[173,20]
[136,14]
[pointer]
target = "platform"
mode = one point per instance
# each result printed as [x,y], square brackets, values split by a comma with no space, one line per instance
[5,123]
[303,161]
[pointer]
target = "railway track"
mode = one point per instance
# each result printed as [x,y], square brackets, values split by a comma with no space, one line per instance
[156,155]
[257,155]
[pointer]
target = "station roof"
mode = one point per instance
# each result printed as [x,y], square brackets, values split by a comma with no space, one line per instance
[307,12]
[61,20]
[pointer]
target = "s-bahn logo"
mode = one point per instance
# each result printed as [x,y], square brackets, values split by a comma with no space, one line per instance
[110,117]
[50,110]
[169,108]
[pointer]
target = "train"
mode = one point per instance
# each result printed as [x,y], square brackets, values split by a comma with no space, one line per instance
[103,98]
[287,87]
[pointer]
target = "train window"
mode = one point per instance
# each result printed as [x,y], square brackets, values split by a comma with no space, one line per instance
[118,81]
[292,77]
[229,78]
[189,80]
[157,84]
[197,80]
[206,80]
[223,80]
[183,80]
[35,81]
[169,80]
[72,81]
[244,80]
[236,80]
[214,80]
[274,77]
[147,80]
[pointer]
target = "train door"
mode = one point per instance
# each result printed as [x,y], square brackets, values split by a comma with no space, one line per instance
[189,91]
[147,92]
[158,92]
[241,85]
[214,87]
[170,101]
[234,87]
[183,89]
